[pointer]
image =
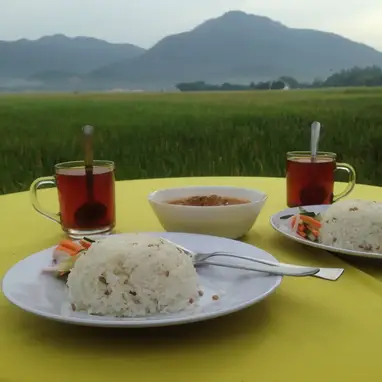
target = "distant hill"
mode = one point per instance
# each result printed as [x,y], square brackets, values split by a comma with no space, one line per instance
[80,55]
[236,48]
[239,48]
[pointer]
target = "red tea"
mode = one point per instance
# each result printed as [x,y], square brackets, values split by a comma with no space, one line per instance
[310,183]
[72,194]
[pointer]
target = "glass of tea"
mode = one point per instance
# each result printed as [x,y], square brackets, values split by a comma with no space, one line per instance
[311,182]
[85,208]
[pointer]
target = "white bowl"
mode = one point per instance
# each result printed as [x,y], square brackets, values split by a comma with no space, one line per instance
[232,221]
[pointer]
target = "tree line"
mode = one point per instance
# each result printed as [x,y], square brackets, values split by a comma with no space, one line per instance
[369,76]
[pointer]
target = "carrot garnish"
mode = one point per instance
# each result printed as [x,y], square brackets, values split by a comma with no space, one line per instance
[301,228]
[309,220]
[66,250]
[75,247]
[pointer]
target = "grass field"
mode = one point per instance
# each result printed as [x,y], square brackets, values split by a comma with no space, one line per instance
[170,135]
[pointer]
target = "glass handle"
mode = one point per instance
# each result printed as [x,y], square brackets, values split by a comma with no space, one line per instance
[48,180]
[351,181]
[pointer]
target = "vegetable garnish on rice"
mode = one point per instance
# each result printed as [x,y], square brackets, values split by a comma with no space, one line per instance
[305,224]
[66,254]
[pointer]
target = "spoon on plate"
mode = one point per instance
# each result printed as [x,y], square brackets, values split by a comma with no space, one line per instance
[259,265]
[91,212]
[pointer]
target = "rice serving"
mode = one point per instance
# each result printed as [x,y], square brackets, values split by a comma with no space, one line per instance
[133,275]
[354,225]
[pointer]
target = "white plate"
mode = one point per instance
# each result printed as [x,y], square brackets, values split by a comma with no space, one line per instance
[281,226]
[25,286]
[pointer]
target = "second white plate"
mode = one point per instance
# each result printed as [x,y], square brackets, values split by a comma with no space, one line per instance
[281,226]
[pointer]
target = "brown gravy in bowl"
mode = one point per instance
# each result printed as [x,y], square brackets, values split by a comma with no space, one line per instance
[208,201]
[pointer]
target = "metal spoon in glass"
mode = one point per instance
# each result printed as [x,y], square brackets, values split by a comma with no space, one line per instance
[89,214]
[200,259]
[314,139]
[313,191]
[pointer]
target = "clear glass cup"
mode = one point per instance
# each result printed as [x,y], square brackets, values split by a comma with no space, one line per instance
[312,182]
[87,203]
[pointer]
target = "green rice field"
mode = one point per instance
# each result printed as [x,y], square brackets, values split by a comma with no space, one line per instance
[199,134]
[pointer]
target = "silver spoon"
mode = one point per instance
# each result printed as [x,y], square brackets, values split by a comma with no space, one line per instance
[313,191]
[199,259]
[91,213]
[331,274]
[259,267]
[314,139]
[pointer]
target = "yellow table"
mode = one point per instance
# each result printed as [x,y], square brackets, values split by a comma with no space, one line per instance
[309,330]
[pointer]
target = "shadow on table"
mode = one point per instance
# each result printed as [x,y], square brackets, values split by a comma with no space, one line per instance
[208,333]
[290,251]
[305,255]
[370,266]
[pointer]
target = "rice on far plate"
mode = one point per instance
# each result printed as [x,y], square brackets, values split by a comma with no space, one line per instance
[354,225]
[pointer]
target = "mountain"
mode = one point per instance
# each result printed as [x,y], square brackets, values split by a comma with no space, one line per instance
[24,58]
[236,47]
[239,47]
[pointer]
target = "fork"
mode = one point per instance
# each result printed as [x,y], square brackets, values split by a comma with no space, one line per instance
[266,266]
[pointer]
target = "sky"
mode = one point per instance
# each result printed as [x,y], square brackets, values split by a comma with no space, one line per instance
[145,22]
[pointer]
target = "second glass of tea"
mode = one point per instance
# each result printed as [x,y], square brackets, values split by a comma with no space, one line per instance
[87,205]
[311,182]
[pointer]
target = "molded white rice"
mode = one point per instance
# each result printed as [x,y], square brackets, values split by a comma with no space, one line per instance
[354,225]
[133,275]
